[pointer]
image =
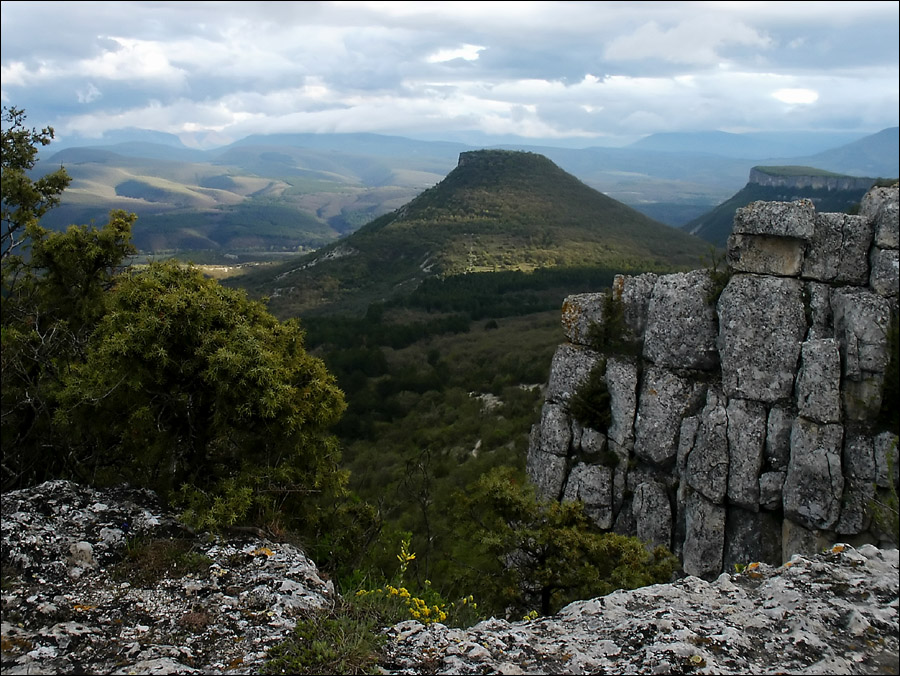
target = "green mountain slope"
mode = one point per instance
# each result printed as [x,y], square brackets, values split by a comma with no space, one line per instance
[498,210]
[797,182]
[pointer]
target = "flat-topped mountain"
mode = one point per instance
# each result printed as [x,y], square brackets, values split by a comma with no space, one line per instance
[807,177]
[497,210]
[829,191]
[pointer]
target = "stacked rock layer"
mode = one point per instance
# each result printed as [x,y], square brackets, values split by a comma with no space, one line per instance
[745,420]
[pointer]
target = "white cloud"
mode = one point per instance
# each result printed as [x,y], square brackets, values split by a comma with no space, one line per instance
[795,96]
[553,68]
[15,74]
[132,60]
[697,40]
[465,52]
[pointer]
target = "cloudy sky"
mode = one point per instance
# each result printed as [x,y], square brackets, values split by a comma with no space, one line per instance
[574,73]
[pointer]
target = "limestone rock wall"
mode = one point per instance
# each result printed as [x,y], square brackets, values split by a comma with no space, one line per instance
[742,420]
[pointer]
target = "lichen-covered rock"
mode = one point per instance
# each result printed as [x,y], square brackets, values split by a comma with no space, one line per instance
[796,539]
[635,292]
[666,397]
[885,276]
[859,457]
[761,325]
[778,437]
[886,456]
[803,327]
[580,312]
[771,485]
[681,323]
[764,255]
[746,443]
[592,485]
[818,389]
[591,442]
[570,367]
[834,613]
[71,605]
[839,249]
[706,465]
[856,513]
[814,483]
[769,238]
[796,220]
[861,399]
[861,320]
[545,470]
[880,205]
[621,381]
[817,297]
[652,514]
[556,432]
[704,538]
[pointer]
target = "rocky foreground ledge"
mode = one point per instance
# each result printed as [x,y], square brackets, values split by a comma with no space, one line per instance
[218,606]
[66,608]
[835,613]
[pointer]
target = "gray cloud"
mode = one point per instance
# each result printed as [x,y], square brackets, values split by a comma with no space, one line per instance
[544,70]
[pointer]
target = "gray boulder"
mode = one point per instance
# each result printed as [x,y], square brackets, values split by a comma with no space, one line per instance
[592,485]
[814,483]
[704,541]
[839,249]
[818,381]
[570,367]
[769,238]
[666,397]
[746,448]
[635,292]
[706,465]
[761,325]
[681,322]
[778,437]
[880,205]
[579,313]
[861,320]
[546,471]
[885,275]
[652,514]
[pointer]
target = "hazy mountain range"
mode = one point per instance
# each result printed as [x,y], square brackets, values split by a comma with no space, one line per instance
[294,192]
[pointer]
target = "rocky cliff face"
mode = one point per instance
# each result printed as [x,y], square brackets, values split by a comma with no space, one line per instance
[742,422]
[815,182]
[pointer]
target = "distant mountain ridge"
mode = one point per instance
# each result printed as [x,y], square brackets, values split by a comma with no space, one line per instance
[498,210]
[754,145]
[243,197]
[875,155]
